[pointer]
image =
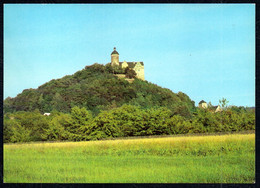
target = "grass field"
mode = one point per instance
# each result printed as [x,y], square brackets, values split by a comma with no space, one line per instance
[194,159]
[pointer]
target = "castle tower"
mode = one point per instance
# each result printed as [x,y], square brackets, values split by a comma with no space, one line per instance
[114,57]
[203,104]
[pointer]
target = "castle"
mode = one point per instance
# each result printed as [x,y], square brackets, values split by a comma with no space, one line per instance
[203,104]
[138,67]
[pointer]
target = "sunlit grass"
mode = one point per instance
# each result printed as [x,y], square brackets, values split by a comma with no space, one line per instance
[198,159]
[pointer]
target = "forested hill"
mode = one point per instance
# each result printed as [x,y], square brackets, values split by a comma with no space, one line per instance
[96,89]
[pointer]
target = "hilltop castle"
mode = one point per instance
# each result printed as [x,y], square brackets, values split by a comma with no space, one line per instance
[138,67]
[203,104]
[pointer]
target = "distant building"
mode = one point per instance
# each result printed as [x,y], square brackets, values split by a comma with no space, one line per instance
[216,109]
[203,104]
[138,67]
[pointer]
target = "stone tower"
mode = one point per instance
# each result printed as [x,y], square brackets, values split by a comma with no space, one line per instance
[115,57]
[203,104]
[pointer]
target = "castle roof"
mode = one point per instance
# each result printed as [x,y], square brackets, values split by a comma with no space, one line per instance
[131,64]
[202,102]
[115,52]
[214,107]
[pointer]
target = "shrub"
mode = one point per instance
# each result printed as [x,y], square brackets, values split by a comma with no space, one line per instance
[123,121]
[130,73]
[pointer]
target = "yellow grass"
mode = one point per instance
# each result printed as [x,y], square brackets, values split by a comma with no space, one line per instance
[173,142]
[192,159]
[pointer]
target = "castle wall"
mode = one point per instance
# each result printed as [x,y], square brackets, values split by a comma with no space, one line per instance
[130,80]
[139,69]
[203,105]
[115,59]
[218,109]
[124,64]
[120,75]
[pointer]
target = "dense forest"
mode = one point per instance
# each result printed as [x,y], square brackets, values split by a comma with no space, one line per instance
[127,120]
[96,89]
[94,104]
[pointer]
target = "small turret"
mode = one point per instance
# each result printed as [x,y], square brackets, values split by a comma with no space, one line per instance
[114,57]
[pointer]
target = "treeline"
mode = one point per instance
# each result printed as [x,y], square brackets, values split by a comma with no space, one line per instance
[128,120]
[97,89]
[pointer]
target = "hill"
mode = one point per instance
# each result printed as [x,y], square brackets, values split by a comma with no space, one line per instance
[94,104]
[96,88]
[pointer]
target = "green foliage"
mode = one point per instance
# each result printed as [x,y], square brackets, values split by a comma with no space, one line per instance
[7,130]
[56,130]
[130,73]
[117,69]
[79,121]
[8,105]
[94,104]
[176,125]
[124,121]
[96,88]
[209,121]
[19,133]
[30,123]
[223,103]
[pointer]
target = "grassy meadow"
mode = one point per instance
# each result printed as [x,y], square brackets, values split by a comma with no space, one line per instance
[192,159]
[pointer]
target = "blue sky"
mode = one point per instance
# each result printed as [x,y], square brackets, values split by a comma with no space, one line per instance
[204,50]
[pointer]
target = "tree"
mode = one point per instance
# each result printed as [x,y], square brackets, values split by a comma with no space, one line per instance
[223,103]
[157,121]
[56,129]
[40,103]
[7,131]
[130,73]
[7,105]
[183,111]
[78,123]
[59,103]
[109,68]
[116,69]
[95,88]
[19,133]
